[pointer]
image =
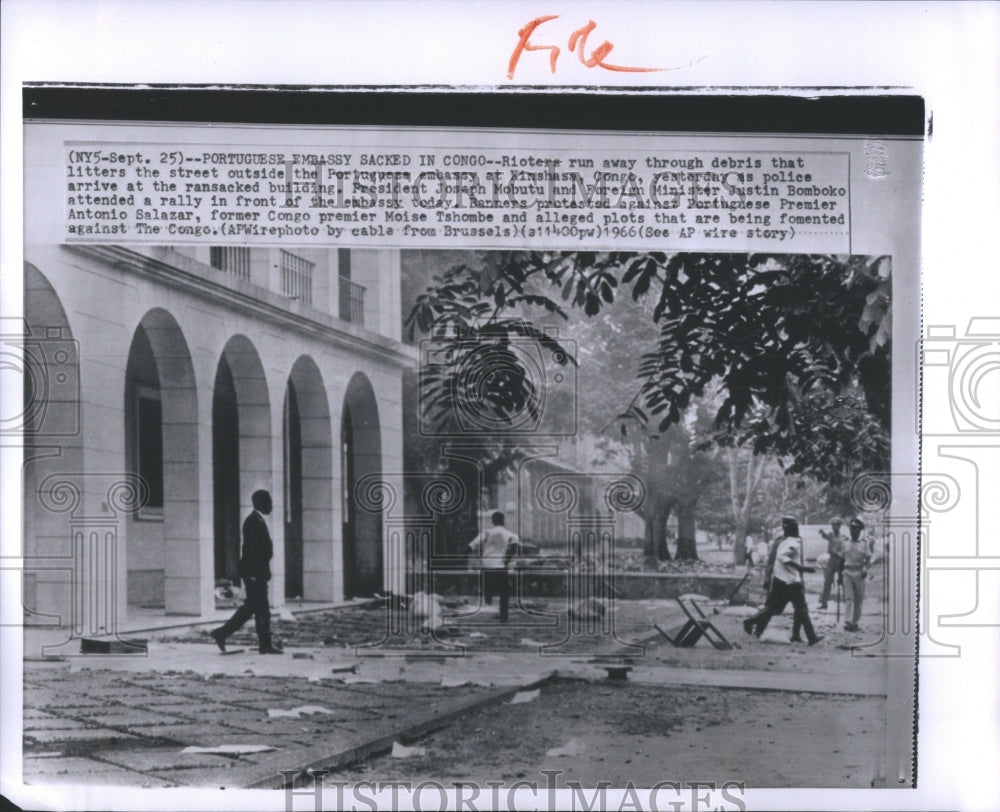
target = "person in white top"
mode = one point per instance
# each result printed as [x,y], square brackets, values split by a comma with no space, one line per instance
[494,548]
[786,586]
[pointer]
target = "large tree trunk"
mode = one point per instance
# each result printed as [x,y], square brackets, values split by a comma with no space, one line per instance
[655,546]
[662,550]
[742,524]
[687,547]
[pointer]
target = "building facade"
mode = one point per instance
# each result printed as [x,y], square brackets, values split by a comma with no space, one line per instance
[164,385]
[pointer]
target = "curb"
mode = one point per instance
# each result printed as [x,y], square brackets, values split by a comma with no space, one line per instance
[333,761]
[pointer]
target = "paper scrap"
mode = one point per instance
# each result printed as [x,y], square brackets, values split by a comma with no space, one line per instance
[573,747]
[230,749]
[402,751]
[477,634]
[295,713]
[525,696]
[527,641]
[453,682]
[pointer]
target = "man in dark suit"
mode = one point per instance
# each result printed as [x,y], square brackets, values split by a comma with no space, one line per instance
[255,570]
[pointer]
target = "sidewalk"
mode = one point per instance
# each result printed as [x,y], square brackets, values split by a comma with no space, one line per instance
[186,693]
[135,732]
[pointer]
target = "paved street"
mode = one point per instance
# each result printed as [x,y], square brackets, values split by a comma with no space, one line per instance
[127,720]
[120,727]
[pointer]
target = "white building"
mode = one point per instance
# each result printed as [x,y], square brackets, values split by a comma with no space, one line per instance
[195,376]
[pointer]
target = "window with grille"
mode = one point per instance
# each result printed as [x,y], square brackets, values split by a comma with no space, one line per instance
[352,302]
[231,260]
[352,295]
[296,277]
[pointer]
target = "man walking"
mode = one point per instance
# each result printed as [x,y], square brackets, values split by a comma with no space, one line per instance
[255,570]
[495,547]
[855,568]
[835,543]
[786,586]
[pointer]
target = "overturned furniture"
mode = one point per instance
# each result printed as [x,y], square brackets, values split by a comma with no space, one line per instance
[694,628]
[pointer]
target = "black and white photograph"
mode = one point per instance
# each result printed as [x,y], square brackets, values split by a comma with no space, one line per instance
[451,448]
[535,514]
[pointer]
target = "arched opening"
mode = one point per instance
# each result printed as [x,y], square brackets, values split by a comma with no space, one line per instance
[308,484]
[241,446]
[225,473]
[361,455]
[50,428]
[161,447]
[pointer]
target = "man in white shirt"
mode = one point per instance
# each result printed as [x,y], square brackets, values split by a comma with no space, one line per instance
[494,548]
[786,586]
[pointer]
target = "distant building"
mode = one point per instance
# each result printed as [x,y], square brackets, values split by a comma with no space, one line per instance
[195,376]
[546,499]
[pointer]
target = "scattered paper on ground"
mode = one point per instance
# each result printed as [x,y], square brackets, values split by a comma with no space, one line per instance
[295,713]
[527,641]
[402,751]
[477,634]
[230,749]
[525,696]
[426,605]
[573,747]
[589,609]
[453,682]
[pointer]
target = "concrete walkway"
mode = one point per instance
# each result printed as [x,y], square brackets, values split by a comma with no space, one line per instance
[311,708]
[127,720]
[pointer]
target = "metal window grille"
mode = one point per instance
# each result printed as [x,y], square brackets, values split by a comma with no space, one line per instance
[232,260]
[296,277]
[352,302]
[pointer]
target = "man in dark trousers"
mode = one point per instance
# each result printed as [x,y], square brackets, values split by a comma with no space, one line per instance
[255,570]
[785,570]
[495,548]
[835,543]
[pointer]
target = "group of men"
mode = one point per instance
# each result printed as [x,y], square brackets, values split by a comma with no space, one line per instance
[494,546]
[848,559]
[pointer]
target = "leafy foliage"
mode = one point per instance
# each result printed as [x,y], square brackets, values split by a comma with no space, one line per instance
[796,346]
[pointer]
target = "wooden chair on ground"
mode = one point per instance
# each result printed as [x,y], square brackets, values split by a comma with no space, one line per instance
[694,628]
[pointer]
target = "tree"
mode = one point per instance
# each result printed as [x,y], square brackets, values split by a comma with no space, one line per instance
[746,472]
[671,463]
[757,491]
[798,346]
[423,450]
[675,473]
